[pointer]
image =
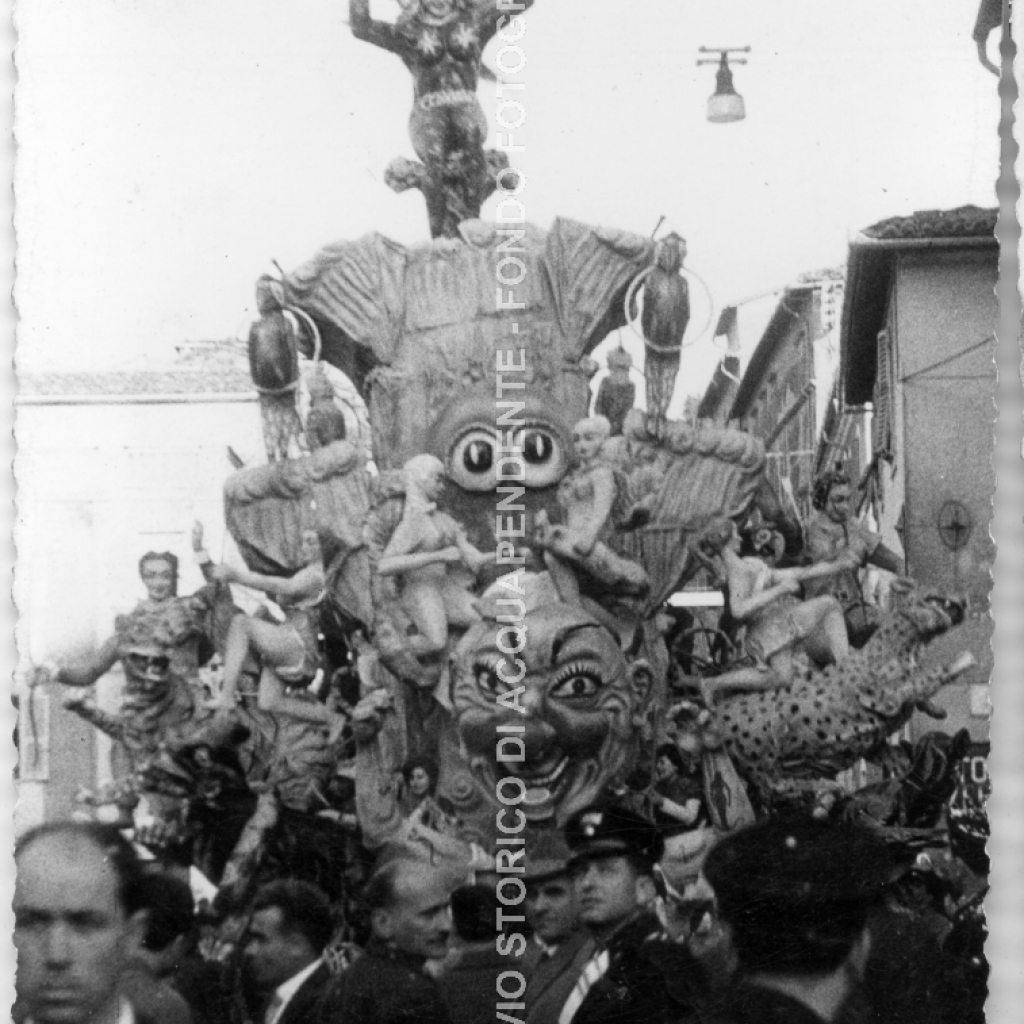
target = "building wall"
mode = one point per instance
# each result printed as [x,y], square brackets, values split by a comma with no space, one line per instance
[943,311]
[99,485]
[805,354]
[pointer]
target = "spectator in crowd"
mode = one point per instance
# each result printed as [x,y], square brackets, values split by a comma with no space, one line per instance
[167,902]
[637,975]
[796,895]
[678,796]
[410,921]
[290,928]
[562,946]
[76,920]
[469,977]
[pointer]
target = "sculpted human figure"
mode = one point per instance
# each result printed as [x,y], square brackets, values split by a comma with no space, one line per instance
[183,626]
[665,318]
[617,392]
[587,495]
[424,553]
[441,43]
[832,531]
[766,600]
[289,651]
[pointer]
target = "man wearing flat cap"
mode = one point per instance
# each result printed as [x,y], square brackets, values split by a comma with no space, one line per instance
[637,974]
[562,946]
[796,894]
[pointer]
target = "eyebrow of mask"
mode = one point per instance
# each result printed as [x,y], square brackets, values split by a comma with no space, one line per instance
[568,631]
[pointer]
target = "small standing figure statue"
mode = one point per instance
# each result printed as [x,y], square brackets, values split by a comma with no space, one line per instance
[665,318]
[441,43]
[588,495]
[617,393]
[426,551]
[274,367]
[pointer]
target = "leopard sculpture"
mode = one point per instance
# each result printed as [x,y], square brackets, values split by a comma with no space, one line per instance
[822,725]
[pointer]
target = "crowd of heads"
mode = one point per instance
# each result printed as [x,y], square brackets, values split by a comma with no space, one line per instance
[792,897]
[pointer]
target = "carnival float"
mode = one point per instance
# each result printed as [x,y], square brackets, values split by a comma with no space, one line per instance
[479,591]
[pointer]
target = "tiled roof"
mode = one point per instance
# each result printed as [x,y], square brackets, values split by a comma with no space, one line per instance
[963,222]
[219,380]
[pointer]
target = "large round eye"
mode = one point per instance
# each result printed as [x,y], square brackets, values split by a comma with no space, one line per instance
[544,455]
[471,461]
[538,447]
[577,684]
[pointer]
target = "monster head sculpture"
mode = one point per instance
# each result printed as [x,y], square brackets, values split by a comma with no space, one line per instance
[581,706]
[460,342]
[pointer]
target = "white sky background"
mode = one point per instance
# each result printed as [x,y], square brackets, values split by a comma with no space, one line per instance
[170,148]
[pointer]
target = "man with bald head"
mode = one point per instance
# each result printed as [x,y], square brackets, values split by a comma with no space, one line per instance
[76,921]
[410,917]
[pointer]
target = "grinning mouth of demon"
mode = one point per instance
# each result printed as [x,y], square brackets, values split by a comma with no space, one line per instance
[560,716]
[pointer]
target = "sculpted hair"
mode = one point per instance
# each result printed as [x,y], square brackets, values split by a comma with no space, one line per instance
[305,910]
[116,850]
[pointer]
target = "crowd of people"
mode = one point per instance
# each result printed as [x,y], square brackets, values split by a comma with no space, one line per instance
[789,920]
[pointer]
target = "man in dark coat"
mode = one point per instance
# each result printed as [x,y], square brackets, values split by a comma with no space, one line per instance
[561,945]
[637,975]
[796,894]
[410,919]
[290,928]
[469,978]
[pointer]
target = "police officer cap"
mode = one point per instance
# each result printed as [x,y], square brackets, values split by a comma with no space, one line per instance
[796,869]
[609,831]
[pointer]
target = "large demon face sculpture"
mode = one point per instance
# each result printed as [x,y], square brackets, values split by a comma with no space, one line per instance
[581,705]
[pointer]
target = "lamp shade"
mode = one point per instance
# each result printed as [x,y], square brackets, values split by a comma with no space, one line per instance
[726,108]
[726,104]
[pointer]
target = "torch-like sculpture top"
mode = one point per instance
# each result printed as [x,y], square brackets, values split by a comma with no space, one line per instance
[441,42]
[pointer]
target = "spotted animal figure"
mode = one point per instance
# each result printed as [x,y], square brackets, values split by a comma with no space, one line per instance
[823,725]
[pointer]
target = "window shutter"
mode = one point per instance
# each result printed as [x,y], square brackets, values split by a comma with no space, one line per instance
[882,399]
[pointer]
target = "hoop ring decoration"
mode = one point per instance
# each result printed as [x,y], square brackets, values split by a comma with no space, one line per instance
[317,344]
[631,294]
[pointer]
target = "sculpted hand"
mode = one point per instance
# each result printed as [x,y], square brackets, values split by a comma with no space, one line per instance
[223,573]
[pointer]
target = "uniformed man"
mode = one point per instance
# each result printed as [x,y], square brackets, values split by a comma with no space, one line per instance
[561,945]
[637,974]
[795,894]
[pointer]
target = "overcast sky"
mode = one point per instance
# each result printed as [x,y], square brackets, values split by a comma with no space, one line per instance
[170,149]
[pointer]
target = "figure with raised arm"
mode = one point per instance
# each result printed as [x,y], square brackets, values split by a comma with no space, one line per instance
[587,495]
[183,626]
[427,552]
[441,43]
[766,600]
[288,651]
[833,530]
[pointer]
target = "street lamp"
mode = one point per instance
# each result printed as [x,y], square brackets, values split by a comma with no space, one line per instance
[726,104]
